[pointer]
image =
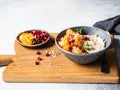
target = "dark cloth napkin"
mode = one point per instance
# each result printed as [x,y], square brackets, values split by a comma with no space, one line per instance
[112,25]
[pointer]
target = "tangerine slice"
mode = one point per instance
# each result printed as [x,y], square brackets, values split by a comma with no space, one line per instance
[26,38]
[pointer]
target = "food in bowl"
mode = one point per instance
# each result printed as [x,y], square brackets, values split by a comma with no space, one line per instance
[84,57]
[33,38]
[77,42]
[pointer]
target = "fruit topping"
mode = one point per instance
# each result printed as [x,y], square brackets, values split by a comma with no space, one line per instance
[37,63]
[38,53]
[39,58]
[47,54]
[33,37]
[26,38]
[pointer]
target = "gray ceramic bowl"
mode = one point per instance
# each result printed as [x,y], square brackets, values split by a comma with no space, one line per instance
[85,58]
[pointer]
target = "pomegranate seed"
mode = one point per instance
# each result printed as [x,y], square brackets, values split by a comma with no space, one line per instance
[42,41]
[70,49]
[76,45]
[46,35]
[37,63]
[47,54]
[38,53]
[72,36]
[40,36]
[39,58]
[72,41]
[86,38]
[45,38]
[85,52]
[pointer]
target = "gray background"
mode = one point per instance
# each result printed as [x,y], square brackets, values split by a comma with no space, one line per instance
[53,16]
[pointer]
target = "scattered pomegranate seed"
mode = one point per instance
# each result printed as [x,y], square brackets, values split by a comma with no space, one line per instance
[39,58]
[37,63]
[47,54]
[38,53]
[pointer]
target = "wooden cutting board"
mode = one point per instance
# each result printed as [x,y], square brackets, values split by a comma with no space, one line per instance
[57,68]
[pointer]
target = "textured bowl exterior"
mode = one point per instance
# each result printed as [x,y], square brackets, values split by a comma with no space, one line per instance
[85,58]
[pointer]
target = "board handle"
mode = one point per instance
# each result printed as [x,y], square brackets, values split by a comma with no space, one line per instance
[5,59]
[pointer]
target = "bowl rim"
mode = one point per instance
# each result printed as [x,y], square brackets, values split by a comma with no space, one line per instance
[56,42]
[35,45]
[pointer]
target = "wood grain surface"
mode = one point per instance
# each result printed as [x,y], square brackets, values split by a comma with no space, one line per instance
[57,68]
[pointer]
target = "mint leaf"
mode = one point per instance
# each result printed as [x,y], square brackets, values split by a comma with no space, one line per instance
[79,30]
[87,47]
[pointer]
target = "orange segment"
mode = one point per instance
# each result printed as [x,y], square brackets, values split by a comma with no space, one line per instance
[69,31]
[26,38]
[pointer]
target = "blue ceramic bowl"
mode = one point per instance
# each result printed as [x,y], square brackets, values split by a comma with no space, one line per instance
[85,58]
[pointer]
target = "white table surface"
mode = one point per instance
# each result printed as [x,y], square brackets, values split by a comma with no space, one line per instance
[53,16]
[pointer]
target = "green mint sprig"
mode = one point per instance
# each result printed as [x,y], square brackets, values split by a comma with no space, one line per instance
[87,47]
[79,30]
